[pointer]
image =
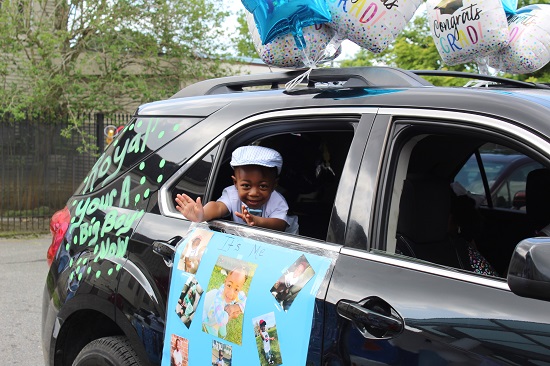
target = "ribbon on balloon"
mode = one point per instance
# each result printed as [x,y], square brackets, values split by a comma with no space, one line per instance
[311,63]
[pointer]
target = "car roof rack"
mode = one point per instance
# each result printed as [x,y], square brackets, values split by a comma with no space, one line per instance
[492,80]
[373,76]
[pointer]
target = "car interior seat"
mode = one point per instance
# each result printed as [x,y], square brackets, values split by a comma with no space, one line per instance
[423,224]
[537,201]
[312,166]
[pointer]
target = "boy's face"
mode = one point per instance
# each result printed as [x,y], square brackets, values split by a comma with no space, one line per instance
[299,270]
[262,327]
[254,184]
[233,285]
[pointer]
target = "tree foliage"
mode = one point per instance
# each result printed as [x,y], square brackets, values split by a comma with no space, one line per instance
[78,56]
[242,39]
[414,49]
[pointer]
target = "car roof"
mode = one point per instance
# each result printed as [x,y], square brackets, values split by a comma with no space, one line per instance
[524,103]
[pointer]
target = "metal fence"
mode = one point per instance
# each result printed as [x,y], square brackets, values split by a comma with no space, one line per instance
[40,169]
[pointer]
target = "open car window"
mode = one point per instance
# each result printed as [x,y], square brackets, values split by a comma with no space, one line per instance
[314,153]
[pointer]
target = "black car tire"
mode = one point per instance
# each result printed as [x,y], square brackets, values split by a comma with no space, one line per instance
[107,351]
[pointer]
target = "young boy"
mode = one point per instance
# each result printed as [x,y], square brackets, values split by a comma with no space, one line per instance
[252,198]
[228,303]
[220,361]
[283,285]
[266,340]
[191,256]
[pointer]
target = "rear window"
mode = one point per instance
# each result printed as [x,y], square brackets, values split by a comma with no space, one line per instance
[140,138]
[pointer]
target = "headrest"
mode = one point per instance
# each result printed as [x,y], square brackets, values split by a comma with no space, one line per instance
[424,210]
[537,197]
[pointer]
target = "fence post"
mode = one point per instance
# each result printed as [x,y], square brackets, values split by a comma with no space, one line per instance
[100,126]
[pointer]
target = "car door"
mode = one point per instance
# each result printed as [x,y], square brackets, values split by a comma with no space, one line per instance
[302,137]
[385,306]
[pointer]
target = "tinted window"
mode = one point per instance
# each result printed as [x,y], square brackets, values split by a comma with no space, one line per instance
[434,219]
[506,171]
[194,180]
[139,139]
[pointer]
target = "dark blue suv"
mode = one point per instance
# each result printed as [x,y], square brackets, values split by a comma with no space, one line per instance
[370,156]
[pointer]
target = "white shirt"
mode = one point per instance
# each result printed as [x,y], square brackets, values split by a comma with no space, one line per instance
[275,207]
[266,341]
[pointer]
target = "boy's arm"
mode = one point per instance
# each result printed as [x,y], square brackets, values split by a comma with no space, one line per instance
[267,222]
[196,212]
[215,210]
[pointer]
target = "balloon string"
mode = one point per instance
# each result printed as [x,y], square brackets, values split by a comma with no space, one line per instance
[308,62]
[297,80]
[311,64]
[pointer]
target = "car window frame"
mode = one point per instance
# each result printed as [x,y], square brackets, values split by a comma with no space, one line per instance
[226,139]
[391,122]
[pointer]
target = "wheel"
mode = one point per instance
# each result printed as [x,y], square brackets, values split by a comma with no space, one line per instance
[108,351]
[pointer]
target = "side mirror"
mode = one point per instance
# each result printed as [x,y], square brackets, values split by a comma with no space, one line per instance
[519,200]
[529,271]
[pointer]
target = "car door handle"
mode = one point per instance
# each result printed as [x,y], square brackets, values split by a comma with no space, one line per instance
[166,249]
[373,317]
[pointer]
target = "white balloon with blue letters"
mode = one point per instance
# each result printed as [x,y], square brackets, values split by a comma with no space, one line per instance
[467,30]
[529,46]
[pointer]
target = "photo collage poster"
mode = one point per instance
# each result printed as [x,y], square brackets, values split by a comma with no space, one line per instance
[234,300]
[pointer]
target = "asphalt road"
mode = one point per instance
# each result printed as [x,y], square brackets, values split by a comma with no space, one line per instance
[23,270]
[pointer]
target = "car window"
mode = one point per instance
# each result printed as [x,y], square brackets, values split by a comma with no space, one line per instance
[436,212]
[312,166]
[194,181]
[140,138]
[506,173]
[313,160]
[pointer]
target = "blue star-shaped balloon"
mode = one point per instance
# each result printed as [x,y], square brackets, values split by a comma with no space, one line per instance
[276,18]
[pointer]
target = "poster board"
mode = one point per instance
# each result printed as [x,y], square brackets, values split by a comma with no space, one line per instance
[238,301]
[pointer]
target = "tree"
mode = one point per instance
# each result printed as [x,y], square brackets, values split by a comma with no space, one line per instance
[79,56]
[242,39]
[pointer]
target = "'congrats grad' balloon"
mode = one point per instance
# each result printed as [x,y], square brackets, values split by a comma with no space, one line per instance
[529,46]
[467,30]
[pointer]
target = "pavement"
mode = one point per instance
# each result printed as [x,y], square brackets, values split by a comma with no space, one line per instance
[23,271]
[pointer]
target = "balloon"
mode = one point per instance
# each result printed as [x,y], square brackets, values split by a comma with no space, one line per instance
[371,24]
[276,18]
[529,43]
[282,51]
[466,30]
[510,6]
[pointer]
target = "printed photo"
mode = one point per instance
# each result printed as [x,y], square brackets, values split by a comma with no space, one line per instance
[291,282]
[221,354]
[189,300]
[179,351]
[192,254]
[267,341]
[225,298]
